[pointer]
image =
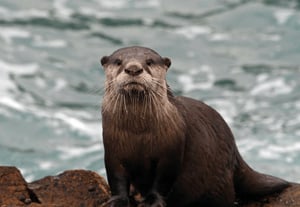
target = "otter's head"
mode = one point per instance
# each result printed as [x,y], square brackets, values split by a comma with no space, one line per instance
[135,73]
[136,92]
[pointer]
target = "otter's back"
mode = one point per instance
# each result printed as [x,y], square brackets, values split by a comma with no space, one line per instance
[212,154]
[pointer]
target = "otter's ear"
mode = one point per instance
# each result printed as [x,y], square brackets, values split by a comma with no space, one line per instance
[104,60]
[167,61]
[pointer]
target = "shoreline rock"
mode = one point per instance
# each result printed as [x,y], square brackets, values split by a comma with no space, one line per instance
[74,188]
[84,188]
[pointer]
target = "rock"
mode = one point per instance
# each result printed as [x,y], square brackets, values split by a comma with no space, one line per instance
[72,188]
[13,188]
[83,188]
[76,188]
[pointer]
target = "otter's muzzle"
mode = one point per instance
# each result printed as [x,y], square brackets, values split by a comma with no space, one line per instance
[133,70]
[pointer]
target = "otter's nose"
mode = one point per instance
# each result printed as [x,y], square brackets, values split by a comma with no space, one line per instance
[133,70]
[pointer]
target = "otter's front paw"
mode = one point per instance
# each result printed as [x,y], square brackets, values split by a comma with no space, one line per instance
[153,199]
[118,201]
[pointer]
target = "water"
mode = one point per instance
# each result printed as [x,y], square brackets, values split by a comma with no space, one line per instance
[241,57]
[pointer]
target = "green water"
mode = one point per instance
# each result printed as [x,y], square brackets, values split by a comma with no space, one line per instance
[241,57]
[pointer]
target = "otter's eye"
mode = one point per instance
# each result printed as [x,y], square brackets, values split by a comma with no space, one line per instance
[118,62]
[149,62]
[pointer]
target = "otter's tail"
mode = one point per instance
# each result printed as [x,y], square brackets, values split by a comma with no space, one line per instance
[249,183]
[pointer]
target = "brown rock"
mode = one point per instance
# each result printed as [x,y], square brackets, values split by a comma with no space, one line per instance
[72,188]
[75,188]
[82,188]
[13,188]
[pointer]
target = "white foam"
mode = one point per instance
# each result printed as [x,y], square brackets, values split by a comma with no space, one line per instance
[280,152]
[147,4]
[188,82]
[27,175]
[7,101]
[297,104]
[92,129]
[225,107]
[295,147]
[282,15]
[73,152]
[272,87]
[33,13]
[46,165]
[23,14]
[262,77]
[40,82]
[95,13]
[3,10]
[60,84]
[271,37]
[219,37]
[71,121]
[116,4]
[289,159]
[9,33]
[56,43]
[102,172]
[119,4]
[247,145]
[7,84]
[20,69]
[30,13]
[61,9]
[191,32]
[267,154]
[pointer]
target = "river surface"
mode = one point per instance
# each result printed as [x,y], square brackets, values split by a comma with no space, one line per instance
[241,57]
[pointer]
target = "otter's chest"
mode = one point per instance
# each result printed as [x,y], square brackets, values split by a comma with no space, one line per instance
[138,145]
[136,142]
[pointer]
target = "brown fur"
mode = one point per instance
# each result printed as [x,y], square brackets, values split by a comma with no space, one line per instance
[172,151]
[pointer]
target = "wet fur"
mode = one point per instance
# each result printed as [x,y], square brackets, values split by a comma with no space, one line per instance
[172,151]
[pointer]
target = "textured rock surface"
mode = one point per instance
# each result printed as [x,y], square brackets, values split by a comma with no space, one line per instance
[13,188]
[71,188]
[82,188]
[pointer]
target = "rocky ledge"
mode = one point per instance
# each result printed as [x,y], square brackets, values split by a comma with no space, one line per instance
[82,188]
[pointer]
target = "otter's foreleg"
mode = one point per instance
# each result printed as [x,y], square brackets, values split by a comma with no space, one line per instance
[118,182]
[167,170]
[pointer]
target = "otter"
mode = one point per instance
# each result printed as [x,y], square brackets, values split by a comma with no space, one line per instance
[165,150]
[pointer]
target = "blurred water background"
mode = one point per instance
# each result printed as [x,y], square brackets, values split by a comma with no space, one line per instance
[240,56]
